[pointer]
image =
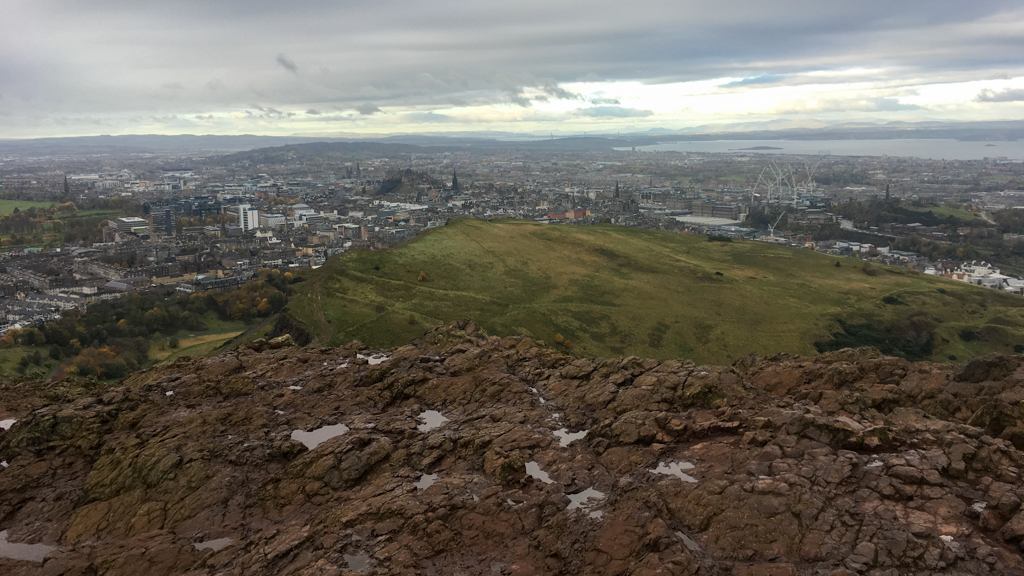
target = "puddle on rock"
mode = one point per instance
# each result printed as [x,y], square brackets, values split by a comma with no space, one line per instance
[374,359]
[295,387]
[6,424]
[30,552]
[581,500]
[690,543]
[425,481]
[319,436]
[675,469]
[169,393]
[533,469]
[215,545]
[3,463]
[431,419]
[565,437]
[357,562]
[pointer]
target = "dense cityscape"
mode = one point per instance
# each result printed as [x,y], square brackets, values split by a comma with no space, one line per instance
[93,228]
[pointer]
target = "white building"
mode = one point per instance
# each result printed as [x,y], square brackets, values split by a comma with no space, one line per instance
[272,221]
[248,217]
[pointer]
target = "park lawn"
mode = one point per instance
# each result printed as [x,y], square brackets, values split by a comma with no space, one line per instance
[943,212]
[193,346]
[9,358]
[617,291]
[8,206]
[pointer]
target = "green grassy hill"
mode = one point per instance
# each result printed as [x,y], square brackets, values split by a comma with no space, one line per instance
[618,291]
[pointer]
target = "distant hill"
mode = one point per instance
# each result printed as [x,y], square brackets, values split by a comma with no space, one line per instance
[1006,130]
[617,291]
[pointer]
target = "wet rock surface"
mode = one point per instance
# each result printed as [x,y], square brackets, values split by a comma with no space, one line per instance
[847,463]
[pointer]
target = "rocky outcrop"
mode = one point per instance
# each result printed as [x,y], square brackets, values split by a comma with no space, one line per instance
[466,454]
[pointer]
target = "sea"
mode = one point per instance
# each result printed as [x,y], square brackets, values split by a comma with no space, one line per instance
[933,149]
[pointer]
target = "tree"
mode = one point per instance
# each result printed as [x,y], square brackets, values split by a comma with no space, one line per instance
[173,342]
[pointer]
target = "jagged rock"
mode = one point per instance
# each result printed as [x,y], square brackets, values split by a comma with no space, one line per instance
[274,459]
[283,341]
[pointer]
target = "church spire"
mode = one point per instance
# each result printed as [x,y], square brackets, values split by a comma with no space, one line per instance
[455,181]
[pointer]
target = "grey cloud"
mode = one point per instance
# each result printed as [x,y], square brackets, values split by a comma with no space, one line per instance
[518,98]
[613,112]
[201,117]
[405,55]
[173,86]
[368,109]
[287,63]
[1008,95]
[756,80]
[558,92]
[890,105]
[611,101]
[313,112]
[427,117]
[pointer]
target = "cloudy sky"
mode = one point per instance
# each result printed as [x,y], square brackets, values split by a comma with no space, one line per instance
[340,67]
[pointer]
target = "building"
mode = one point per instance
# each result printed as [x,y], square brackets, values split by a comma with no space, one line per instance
[130,224]
[161,220]
[248,217]
[272,221]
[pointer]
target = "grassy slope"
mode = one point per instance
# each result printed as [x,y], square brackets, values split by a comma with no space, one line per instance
[160,350]
[616,290]
[942,212]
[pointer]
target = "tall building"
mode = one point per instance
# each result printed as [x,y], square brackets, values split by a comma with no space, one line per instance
[161,220]
[455,181]
[248,217]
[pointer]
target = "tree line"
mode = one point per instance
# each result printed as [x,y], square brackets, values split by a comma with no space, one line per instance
[112,338]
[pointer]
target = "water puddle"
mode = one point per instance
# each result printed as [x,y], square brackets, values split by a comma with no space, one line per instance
[215,545]
[690,543]
[539,397]
[596,514]
[30,552]
[319,436]
[582,500]
[675,469]
[6,424]
[533,469]
[169,393]
[431,419]
[295,387]
[279,412]
[375,359]
[3,463]
[425,481]
[357,562]
[565,437]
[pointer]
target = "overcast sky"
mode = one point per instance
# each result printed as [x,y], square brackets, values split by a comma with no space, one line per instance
[386,66]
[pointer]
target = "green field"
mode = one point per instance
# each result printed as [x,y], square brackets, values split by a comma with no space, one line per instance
[618,291]
[8,206]
[944,211]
